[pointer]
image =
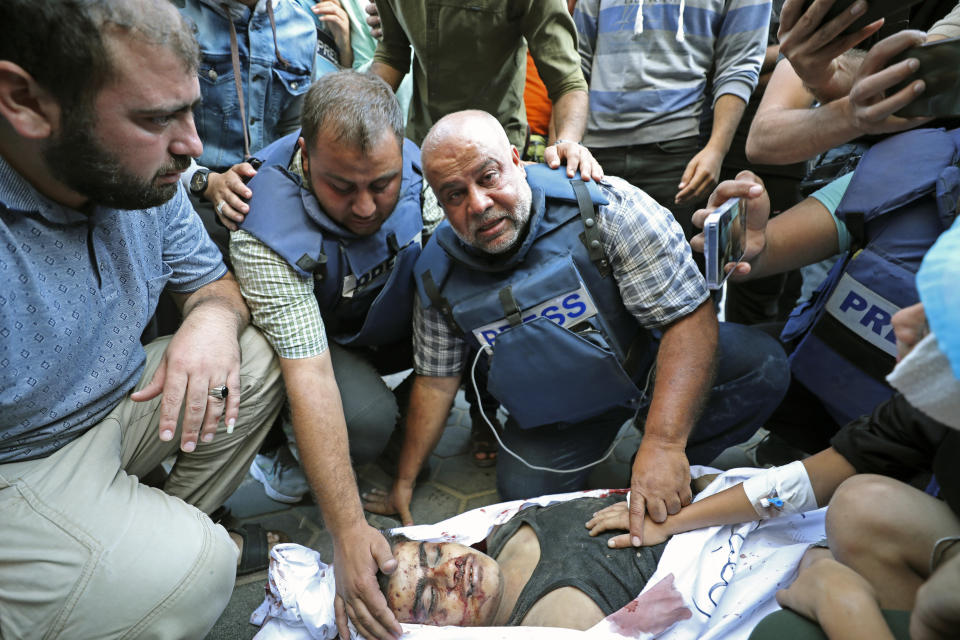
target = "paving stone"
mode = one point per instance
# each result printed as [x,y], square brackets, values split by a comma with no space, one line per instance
[431,504]
[378,521]
[484,500]
[234,622]
[455,440]
[461,475]
[371,475]
[460,401]
[299,529]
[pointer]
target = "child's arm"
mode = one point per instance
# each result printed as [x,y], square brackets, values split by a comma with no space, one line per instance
[826,471]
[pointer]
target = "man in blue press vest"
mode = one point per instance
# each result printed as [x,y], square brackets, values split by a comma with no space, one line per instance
[327,252]
[577,296]
[883,219]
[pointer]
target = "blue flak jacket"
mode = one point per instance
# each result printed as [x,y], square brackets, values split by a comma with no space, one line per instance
[363,284]
[903,195]
[562,348]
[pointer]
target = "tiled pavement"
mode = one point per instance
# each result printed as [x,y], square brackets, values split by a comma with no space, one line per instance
[455,485]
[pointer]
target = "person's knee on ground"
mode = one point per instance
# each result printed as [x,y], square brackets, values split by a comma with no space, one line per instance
[884,529]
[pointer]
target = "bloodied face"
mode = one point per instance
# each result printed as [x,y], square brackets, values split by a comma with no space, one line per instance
[444,584]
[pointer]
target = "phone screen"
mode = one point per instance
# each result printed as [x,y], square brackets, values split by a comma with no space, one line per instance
[725,234]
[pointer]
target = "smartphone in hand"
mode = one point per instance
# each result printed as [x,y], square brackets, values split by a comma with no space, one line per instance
[725,240]
[940,71]
[876,9]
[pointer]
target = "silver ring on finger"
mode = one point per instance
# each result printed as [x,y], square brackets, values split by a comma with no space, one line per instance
[220,206]
[220,393]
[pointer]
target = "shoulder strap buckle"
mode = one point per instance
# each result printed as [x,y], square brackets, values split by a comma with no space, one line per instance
[591,228]
[511,310]
[317,267]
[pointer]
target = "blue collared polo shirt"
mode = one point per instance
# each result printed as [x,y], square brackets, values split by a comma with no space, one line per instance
[76,291]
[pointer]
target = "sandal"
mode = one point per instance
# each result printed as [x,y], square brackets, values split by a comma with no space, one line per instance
[483,442]
[255,554]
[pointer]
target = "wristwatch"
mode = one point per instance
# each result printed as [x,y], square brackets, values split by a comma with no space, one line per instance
[198,181]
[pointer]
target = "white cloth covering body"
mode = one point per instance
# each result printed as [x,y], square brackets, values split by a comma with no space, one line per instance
[727,577]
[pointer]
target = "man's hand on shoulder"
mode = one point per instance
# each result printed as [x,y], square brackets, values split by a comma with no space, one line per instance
[203,354]
[577,158]
[358,554]
[228,191]
[659,484]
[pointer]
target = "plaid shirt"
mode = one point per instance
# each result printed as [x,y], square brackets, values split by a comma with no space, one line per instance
[281,301]
[652,265]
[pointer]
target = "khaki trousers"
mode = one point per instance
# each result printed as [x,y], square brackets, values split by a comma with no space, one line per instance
[86,551]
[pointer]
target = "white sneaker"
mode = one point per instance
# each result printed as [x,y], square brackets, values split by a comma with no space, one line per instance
[281,476]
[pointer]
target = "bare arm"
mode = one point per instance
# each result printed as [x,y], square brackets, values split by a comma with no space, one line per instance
[391,61]
[391,76]
[224,294]
[430,401]
[570,115]
[827,470]
[660,480]
[570,118]
[359,549]
[786,129]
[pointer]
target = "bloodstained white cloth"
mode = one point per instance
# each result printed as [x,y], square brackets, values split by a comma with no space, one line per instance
[712,583]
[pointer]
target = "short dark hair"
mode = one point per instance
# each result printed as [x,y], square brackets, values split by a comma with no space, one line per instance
[61,42]
[355,107]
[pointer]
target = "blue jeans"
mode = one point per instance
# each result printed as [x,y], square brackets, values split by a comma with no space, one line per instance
[752,377]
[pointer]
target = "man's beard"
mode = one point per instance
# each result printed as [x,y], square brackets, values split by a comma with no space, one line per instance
[508,239]
[78,160]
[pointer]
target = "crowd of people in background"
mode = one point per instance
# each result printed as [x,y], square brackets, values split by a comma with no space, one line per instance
[223,222]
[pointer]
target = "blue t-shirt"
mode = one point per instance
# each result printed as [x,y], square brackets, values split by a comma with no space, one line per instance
[77,292]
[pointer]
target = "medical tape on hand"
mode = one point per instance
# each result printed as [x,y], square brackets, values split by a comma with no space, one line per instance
[781,490]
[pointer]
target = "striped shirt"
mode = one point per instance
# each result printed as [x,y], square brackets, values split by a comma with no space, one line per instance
[647,63]
[651,262]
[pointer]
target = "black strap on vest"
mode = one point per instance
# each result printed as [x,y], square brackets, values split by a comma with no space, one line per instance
[856,225]
[591,229]
[392,244]
[869,359]
[439,301]
[317,267]
[511,310]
